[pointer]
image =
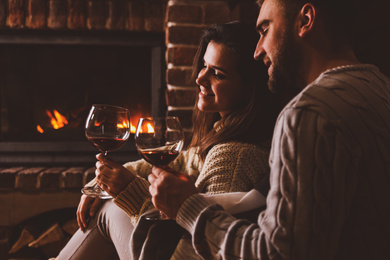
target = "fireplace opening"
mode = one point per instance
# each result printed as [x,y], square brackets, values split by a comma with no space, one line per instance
[50,81]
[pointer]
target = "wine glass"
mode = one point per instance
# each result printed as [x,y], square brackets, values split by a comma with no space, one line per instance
[159,140]
[107,128]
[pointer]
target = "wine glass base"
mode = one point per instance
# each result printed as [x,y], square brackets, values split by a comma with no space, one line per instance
[95,193]
[158,216]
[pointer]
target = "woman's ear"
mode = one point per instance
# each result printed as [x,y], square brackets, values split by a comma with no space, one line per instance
[306,19]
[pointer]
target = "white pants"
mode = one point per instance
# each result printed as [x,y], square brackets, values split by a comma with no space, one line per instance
[106,237]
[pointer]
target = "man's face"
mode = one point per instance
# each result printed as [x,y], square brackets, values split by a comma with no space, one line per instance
[277,48]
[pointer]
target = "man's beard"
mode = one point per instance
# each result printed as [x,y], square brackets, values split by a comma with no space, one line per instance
[286,68]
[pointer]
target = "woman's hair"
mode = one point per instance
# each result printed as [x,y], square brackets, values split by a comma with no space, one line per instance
[254,119]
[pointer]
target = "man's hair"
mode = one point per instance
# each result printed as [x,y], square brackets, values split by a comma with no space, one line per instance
[339,16]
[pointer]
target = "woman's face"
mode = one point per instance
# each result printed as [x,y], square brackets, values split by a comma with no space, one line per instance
[220,84]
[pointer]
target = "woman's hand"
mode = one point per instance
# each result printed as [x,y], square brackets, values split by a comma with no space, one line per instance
[169,189]
[111,175]
[86,210]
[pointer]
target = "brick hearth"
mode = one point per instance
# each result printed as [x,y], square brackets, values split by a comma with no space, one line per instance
[29,191]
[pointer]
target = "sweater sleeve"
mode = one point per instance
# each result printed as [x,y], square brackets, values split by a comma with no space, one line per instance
[312,161]
[232,167]
[135,199]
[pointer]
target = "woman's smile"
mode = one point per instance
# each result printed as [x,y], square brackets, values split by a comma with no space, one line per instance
[219,81]
[204,93]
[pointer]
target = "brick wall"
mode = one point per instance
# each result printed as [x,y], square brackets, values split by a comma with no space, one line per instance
[131,15]
[47,179]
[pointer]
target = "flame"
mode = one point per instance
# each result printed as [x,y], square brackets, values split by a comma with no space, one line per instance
[134,121]
[122,125]
[39,129]
[133,129]
[58,120]
[150,128]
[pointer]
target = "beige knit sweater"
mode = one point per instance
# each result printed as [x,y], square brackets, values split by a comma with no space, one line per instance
[228,167]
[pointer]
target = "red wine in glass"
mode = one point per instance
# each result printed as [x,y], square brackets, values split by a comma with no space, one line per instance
[159,141]
[107,144]
[159,158]
[107,128]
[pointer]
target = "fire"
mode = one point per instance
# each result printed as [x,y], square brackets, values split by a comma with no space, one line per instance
[39,129]
[56,120]
[134,121]
[123,125]
[133,129]
[150,128]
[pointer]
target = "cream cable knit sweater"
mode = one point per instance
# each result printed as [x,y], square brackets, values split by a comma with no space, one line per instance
[228,167]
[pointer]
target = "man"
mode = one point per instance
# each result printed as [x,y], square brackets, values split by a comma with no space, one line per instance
[330,158]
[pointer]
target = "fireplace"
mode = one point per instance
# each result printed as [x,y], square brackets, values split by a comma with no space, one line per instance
[44,172]
[51,79]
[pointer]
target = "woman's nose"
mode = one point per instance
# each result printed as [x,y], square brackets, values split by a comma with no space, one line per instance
[202,77]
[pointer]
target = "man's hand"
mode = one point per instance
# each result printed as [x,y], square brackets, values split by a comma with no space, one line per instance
[86,210]
[111,175]
[169,189]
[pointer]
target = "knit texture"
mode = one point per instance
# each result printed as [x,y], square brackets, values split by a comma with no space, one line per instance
[228,167]
[330,179]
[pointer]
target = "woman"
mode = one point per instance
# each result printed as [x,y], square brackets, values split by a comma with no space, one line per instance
[233,120]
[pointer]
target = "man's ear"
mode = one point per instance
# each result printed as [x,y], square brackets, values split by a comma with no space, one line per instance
[306,19]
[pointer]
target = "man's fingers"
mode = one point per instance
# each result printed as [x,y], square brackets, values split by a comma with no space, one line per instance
[151,178]
[158,172]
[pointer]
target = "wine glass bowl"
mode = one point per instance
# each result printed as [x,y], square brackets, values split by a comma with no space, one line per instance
[159,140]
[107,128]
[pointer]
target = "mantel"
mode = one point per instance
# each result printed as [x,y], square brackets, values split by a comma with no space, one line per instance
[28,36]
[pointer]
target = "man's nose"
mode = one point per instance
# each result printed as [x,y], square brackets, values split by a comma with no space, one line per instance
[259,51]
